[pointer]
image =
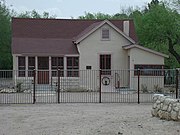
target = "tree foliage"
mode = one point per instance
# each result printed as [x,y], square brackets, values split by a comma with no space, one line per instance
[34,14]
[5,31]
[161,26]
[5,37]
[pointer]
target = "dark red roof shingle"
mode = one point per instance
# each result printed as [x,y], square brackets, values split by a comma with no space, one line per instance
[53,35]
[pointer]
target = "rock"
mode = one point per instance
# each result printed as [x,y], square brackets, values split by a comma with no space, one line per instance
[167,101]
[176,108]
[164,115]
[174,115]
[179,115]
[154,105]
[27,91]
[158,101]
[7,90]
[172,101]
[161,105]
[169,108]
[160,114]
[162,98]
[165,107]
[158,106]
[167,116]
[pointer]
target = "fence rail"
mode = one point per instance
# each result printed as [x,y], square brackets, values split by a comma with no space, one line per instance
[86,86]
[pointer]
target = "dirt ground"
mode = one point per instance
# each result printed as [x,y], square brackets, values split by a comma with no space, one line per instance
[83,119]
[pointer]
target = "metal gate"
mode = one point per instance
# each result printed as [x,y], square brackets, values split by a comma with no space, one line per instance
[87,86]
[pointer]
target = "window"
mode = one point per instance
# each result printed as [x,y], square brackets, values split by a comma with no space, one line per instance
[72,66]
[88,67]
[105,64]
[57,63]
[105,34]
[21,66]
[149,70]
[31,66]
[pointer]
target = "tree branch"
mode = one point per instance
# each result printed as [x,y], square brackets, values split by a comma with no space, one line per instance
[172,50]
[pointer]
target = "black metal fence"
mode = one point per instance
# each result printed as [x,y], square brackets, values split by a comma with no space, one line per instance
[86,86]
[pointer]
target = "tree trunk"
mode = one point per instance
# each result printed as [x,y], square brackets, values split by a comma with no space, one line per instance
[172,50]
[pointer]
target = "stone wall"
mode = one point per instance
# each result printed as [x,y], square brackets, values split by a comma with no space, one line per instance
[165,107]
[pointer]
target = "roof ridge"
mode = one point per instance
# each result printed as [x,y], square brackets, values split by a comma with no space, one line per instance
[42,38]
[66,19]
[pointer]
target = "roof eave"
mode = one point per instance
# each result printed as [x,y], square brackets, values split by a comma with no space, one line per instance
[127,47]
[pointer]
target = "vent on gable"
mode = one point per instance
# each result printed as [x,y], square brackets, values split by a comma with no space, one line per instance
[105,34]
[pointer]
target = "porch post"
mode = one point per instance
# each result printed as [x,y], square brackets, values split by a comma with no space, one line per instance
[65,66]
[50,78]
[36,63]
[36,67]
[26,66]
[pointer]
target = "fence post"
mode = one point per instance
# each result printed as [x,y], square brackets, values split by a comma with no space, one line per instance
[100,86]
[58,89]
[34,87]
[177,83]
[138,86]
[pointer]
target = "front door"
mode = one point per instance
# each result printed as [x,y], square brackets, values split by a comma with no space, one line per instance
[105,64]
[43,70]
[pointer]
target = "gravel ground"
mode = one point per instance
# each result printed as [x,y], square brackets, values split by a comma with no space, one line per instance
[83,119]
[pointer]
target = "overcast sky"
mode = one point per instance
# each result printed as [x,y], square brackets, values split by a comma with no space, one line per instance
[74,8]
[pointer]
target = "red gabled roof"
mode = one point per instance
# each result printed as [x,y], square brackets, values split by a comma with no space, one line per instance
[58,29]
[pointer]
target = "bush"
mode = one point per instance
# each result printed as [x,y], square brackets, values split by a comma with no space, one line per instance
[144,88]
[158,89]
[19,87]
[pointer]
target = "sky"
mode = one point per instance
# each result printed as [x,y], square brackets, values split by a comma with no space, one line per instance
[74,8]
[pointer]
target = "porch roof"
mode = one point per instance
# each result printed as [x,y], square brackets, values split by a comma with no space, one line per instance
[43,46]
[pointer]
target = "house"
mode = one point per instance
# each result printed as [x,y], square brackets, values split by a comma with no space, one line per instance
[75,45]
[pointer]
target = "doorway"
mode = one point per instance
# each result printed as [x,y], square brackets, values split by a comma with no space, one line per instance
[43,70]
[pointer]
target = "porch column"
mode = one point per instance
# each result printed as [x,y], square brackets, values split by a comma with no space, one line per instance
[65,66]
[26,66]
[36,63]
[50,76]
[36,66]
[15,68]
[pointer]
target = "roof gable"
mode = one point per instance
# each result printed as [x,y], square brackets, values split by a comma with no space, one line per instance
[96,26]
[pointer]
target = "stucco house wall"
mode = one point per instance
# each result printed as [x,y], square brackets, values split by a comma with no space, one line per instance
[91,48]
[138,56]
